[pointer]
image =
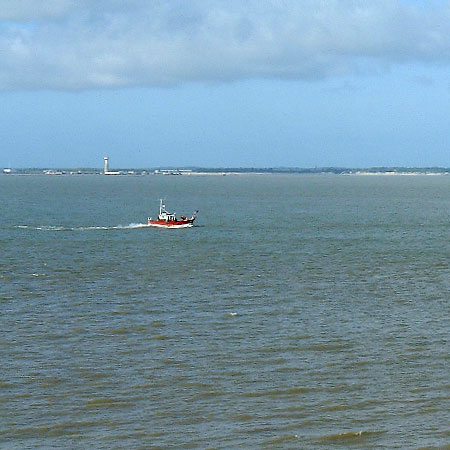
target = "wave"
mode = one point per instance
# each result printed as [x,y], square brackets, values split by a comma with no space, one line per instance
[349,436]
[131,226]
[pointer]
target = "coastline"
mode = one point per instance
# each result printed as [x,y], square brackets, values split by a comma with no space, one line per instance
[435,171]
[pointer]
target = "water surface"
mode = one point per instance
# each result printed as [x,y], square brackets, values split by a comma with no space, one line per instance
[301,312]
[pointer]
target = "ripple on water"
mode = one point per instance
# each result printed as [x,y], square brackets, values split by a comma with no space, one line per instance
[349,437]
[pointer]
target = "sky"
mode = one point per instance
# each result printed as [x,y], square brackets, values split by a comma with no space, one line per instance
[209,83]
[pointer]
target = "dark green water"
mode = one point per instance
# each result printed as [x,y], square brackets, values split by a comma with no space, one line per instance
[300,312]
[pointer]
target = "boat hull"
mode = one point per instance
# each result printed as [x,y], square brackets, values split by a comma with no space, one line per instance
[171,224]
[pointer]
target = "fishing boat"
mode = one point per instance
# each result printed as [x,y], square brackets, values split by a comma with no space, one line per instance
[170,220]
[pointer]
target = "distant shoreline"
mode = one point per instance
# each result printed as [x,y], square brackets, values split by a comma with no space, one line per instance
[374,171]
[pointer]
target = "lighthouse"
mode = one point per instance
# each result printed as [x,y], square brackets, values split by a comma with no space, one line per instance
[106,170]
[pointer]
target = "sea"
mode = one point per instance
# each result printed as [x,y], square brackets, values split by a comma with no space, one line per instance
[300,312]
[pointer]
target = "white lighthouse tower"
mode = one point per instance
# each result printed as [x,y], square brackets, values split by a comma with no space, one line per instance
[106,170]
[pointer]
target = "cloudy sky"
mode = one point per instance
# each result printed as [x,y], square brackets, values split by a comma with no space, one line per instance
[259,83]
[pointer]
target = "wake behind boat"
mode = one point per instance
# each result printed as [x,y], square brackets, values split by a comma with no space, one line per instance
[169,220]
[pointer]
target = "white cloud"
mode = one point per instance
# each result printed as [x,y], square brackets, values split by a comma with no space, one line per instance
[81,44]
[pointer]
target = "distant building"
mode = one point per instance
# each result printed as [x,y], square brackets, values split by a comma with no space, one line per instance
[54,172]
[172,172]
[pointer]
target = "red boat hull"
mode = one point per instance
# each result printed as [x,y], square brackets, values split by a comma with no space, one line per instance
[171,223]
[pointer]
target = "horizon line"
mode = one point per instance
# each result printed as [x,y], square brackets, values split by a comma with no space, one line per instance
[237,168]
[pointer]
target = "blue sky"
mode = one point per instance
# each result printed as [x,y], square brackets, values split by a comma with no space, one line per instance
[224,84]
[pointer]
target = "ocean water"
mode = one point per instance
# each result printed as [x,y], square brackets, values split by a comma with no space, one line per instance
[307,312]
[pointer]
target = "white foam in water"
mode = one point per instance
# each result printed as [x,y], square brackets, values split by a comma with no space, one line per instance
[42,228]
[131,226]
